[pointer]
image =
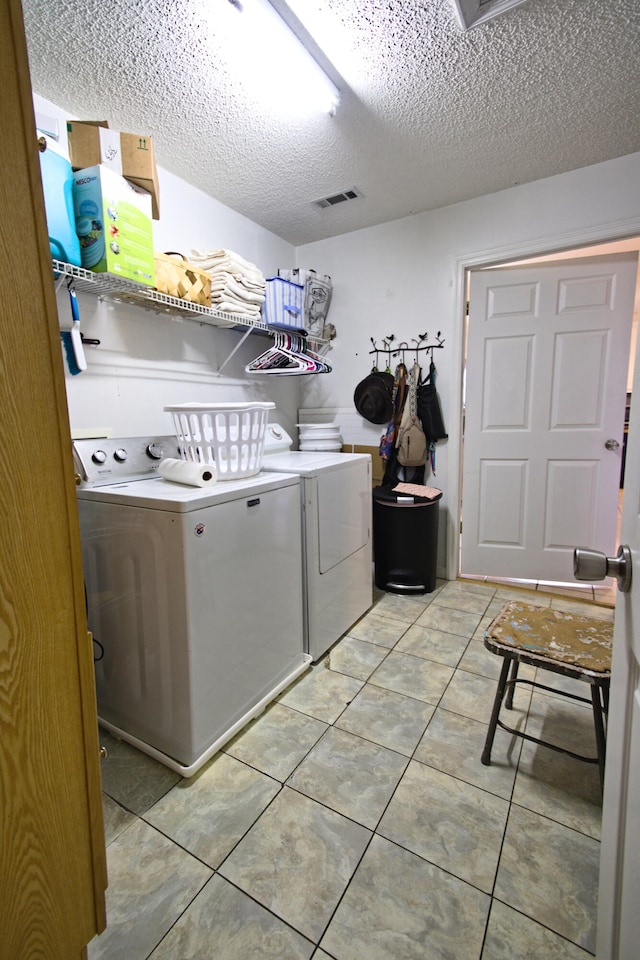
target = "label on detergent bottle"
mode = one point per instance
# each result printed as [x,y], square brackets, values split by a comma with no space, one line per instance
[90,232]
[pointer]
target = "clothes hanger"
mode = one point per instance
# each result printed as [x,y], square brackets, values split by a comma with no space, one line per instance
[298,347]
[321,364]
[295,347]
[271,359]
[288,356]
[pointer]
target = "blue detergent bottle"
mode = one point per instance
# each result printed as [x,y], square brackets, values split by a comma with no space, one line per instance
[57,183]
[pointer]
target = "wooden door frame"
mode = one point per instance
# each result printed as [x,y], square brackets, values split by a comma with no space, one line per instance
[52,849]
[495,257]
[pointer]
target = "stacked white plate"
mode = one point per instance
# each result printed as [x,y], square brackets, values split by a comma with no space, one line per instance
[320,436]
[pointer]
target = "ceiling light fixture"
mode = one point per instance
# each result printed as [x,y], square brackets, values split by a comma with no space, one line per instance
[473,13]
[280,63]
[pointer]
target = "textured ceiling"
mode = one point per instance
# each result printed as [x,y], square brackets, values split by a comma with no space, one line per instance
[429,115]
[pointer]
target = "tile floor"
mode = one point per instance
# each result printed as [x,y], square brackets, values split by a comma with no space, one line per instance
[353,820]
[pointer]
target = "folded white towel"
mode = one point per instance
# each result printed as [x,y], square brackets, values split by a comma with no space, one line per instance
[245,304]
[244,281]
[217,255]
[209,258]
[230,268]
[216,258]
[236,290]
[237,308]
[229,283]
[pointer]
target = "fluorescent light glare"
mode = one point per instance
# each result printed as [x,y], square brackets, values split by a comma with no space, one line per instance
[281,65]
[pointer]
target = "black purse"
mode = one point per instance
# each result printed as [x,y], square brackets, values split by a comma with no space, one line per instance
[429,410]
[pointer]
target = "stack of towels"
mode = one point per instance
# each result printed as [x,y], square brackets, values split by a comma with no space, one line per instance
[237,286]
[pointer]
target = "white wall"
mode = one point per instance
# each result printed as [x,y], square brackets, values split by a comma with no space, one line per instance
[406,278]
[146,360]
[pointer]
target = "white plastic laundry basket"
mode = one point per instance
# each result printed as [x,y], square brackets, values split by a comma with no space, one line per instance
[231,435]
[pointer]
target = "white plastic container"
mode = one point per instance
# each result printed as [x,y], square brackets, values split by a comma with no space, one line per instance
[320,436]
[329,446]
[231,435]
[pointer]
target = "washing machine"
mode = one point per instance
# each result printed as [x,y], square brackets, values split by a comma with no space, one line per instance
[194,597]
[335,491]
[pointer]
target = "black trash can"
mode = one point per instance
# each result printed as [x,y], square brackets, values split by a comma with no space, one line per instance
[405,541]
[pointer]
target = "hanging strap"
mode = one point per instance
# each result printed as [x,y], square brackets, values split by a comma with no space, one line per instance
[432,457]
[388,439]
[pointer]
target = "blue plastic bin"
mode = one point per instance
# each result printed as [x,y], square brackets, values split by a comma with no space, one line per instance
[284,304]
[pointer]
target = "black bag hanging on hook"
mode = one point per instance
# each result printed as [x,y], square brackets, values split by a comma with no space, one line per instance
[429,410]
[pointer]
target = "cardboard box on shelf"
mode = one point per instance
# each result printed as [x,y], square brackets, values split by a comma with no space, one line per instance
[91,142]
[113,223]
[139,166]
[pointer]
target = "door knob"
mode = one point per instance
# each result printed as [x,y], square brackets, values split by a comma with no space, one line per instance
[611,444]
[593,565]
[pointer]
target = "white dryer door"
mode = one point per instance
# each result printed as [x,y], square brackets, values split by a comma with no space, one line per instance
[344,508]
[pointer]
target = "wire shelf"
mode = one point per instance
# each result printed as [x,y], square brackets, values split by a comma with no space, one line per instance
[106,286]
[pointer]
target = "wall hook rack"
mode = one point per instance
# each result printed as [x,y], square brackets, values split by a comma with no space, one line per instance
[402,348]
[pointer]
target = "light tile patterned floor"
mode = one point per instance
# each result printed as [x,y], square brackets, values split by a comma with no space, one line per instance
[353,820]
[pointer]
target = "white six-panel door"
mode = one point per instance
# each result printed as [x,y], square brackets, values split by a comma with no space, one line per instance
[546,383]
[618,936]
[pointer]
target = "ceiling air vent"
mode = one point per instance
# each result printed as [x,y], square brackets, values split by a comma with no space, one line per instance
[336,198]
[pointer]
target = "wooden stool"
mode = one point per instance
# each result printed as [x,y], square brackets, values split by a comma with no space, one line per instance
[564,643]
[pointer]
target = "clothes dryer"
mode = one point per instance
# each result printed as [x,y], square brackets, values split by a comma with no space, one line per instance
[336,535]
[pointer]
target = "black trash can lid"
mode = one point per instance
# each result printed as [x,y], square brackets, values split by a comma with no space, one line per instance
[404,491]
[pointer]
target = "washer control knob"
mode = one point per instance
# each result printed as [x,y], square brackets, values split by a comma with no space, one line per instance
[98,456]
[155,451]
[120,455]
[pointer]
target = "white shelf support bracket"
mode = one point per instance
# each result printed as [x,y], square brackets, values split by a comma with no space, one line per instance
[235,349]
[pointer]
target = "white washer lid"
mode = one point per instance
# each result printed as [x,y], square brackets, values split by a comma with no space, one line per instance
[308,463]
[160,494]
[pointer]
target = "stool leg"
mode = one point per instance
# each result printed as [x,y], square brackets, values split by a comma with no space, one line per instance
[514,674]
[599,727]
[497,703]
